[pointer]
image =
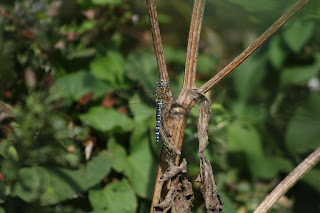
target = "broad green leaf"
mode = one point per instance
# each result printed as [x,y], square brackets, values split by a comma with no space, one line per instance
[103,119]
[142,67]
[139,166]
[271,166]
[276,53]
[298,34]
[57,184]
[120,163]
[303,133]
[109,68]
[114,198]
[248,76]
[247,140]
[105,2]
[313,178]
[29,186]
[142,167]
[77,84]
[2,210]
[300,75]
[140,110]
[227,203]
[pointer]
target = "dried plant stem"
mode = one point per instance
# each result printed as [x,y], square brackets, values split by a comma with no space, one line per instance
[247,52]
[162,67]
[289,181]
[193,45]
[177,124]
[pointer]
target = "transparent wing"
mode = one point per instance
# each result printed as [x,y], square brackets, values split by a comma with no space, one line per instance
[140,102]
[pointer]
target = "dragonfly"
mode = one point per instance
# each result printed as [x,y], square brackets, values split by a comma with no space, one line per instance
[158,101]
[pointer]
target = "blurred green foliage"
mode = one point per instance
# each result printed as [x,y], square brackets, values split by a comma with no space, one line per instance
[68,145]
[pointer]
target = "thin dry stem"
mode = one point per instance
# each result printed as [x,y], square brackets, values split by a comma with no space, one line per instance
[193,45]
[247,52]
[162,67]
[289,181]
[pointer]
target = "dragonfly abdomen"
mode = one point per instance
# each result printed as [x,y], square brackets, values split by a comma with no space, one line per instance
[159,100]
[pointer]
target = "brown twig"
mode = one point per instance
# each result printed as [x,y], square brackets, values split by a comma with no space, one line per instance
[162,67]
[193,45]
[247,52]
[289,181]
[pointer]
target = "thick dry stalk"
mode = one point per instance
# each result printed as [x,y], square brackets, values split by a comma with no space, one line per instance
[247,52]
[289,181]
[178,123]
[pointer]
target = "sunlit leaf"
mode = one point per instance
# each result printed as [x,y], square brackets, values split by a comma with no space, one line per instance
[142,166]
[120,163]
[247,140]
[106,119]
[142,67]
[109,68]
[75,85]
[115,197]
[298,34]
[58,184]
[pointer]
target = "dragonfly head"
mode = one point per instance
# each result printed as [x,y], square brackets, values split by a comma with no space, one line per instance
[161,83]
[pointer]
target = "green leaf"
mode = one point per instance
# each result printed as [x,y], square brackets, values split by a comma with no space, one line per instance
[313,178]
[105,2]
[276,53]
[299,75]
[120,163]
[82,53]
[206,64]
[142,170]
[29,186]
[2,210]
[298,34]
[174,55]
[227,203]
[304,128]
[77,84]
[139,166]
[249,113]
[255,6]
[271,166]
[248,76]
[142,67]
[114,198]
[110,68]
[103,119]
[53,185]
[246,139]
